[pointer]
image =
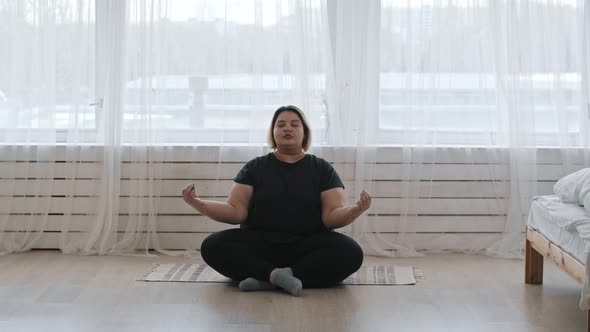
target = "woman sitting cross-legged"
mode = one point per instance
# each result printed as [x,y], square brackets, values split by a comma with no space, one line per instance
[287,204]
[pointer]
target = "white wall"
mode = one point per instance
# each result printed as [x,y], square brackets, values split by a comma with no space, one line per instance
[466,197]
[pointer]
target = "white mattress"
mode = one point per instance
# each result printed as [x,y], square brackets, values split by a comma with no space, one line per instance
[568,226]
[561,223]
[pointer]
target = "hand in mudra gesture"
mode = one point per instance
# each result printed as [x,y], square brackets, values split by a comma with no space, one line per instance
[189,195]
[364,203]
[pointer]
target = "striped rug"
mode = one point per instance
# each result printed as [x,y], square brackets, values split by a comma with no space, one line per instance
[366,275]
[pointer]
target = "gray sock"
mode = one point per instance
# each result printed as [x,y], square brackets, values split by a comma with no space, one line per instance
[251,284]
[284,278]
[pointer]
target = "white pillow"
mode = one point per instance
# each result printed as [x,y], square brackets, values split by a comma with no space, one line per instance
[584,197]
[569,188]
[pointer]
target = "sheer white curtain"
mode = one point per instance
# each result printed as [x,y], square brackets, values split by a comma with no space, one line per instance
[541,81]
[501,81]
[132,83]
[353,101]
[47,75]
[98,97]
[65,126]
[438,106]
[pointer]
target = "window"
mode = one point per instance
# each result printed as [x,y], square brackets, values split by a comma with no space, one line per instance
[226,67]
[47,64]
[454,72]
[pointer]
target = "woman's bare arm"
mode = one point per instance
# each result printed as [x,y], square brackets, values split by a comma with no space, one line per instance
[233,211]
[336,214]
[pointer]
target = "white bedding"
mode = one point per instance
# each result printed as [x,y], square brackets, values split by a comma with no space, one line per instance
[568,226]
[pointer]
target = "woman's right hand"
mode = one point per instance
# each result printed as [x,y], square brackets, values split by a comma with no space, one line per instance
[189,195]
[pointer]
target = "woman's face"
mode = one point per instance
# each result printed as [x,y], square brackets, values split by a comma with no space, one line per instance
[288,130]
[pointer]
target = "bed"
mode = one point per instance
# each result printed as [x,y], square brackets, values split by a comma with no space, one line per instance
[560,233]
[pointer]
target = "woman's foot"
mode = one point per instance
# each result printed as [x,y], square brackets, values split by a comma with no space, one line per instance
[284,279]
[251,284]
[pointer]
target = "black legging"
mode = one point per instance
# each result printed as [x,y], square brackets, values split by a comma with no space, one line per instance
[319,260]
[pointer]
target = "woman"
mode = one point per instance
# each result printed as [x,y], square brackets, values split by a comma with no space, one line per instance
[287,204]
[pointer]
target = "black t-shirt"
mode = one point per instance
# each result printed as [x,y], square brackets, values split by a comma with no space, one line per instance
[286,201]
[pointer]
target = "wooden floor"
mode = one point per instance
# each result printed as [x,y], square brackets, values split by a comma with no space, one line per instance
[49,291]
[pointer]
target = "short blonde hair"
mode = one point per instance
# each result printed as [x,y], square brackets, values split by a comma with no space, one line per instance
[306,130]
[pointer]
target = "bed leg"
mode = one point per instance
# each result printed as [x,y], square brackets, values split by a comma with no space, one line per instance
[533,272]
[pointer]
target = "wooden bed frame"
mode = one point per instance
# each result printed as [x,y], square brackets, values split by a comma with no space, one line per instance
[539,247]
